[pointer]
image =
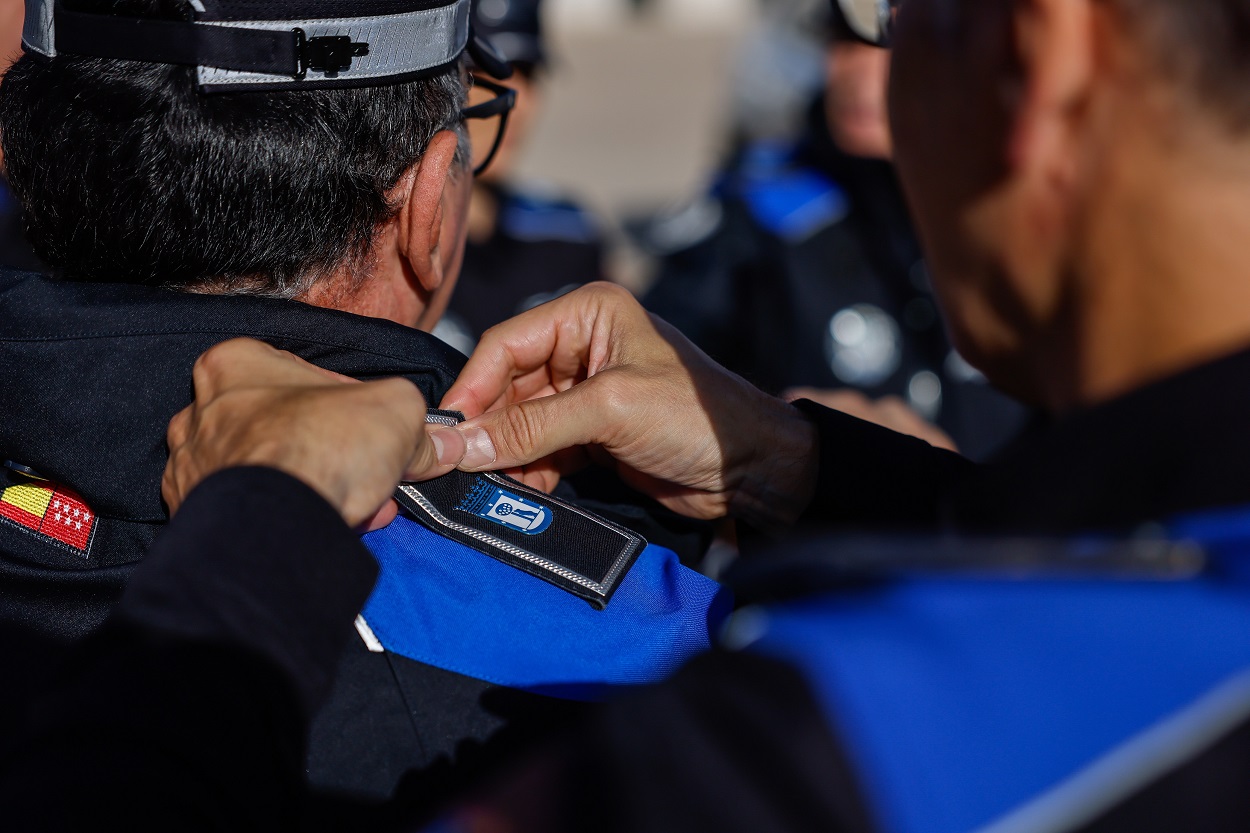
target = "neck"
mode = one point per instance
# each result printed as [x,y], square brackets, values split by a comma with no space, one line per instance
[1161,282]
[371,298]
[381,285]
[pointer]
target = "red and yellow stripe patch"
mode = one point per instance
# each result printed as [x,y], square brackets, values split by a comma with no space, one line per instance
[49,510]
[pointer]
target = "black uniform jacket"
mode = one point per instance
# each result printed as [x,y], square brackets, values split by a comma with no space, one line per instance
[189,709]
[90,376]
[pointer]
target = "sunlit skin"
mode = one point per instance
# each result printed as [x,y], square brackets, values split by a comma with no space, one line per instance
[856,79]
[483,209]
[1083,214]
[411,271]
[12,13]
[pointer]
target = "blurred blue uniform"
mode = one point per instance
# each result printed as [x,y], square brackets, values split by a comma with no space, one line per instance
[541,247]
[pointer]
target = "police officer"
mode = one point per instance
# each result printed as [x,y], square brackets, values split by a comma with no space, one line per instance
[806,272]
[526,244]
[306,184]
[227,640]
[1078,230]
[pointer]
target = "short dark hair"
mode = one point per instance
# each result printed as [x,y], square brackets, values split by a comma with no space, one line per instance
[1203,44]
[128,173]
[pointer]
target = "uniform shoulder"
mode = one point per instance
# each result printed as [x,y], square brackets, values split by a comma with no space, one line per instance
[535,213]
[764,182]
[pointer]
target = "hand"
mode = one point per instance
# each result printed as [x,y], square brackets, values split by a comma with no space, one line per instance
[593,370]
[888,412]
[351,441]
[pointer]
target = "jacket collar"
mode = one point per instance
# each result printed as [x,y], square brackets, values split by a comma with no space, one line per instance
[92,373]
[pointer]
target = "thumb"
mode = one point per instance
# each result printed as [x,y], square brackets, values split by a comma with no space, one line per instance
[524,432]
[438,451]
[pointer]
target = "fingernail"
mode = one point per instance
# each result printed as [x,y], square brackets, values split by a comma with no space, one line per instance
[448,446]
[479,451]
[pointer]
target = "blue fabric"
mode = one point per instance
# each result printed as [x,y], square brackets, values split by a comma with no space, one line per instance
[791,201]
[447,605]
[527,217]
[959,700]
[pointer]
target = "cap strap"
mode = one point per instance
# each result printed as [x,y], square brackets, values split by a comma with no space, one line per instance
[253,52]
[173,42]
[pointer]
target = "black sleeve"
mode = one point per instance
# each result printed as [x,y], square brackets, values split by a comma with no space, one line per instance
[189,709]
[733,743]
[874,477]
[699,291]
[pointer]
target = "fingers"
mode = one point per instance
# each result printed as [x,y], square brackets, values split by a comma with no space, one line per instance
[179,427]
[382,518]
[352,442]
[248,362]
[841,399]
[889,412]
[525,432]
[505,353]
[544,350]
[176,436]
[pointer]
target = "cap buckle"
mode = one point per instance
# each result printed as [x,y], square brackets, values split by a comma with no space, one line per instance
[328,54]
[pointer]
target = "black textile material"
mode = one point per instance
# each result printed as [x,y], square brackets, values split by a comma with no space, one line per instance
[453,752]
[1175,446]
[732,742]
[172,42]
[92,373]
[575,550]
[188,710]
[274,550]
[1207,793]
[873,477]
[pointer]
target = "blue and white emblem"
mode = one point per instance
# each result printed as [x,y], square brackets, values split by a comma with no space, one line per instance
[507,509]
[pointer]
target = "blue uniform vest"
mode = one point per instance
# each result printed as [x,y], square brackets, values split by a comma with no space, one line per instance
[444,604]
[986,703]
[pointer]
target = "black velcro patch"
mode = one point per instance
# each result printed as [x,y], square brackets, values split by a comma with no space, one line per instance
[575,550]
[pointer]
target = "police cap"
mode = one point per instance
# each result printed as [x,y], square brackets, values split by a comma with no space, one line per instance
[866,21]
[514,27]
[241,45]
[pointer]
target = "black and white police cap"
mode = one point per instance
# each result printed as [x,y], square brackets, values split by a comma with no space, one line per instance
[242,45]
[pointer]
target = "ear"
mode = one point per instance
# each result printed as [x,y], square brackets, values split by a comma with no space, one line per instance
[420,218]
[1055,43]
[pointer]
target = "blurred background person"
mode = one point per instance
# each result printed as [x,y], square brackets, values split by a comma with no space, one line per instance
[526,244]
[811,276]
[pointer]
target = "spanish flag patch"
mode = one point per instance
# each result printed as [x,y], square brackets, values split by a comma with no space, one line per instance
[50,511]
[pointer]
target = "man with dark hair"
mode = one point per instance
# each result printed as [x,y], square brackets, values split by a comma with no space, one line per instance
[296,172]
